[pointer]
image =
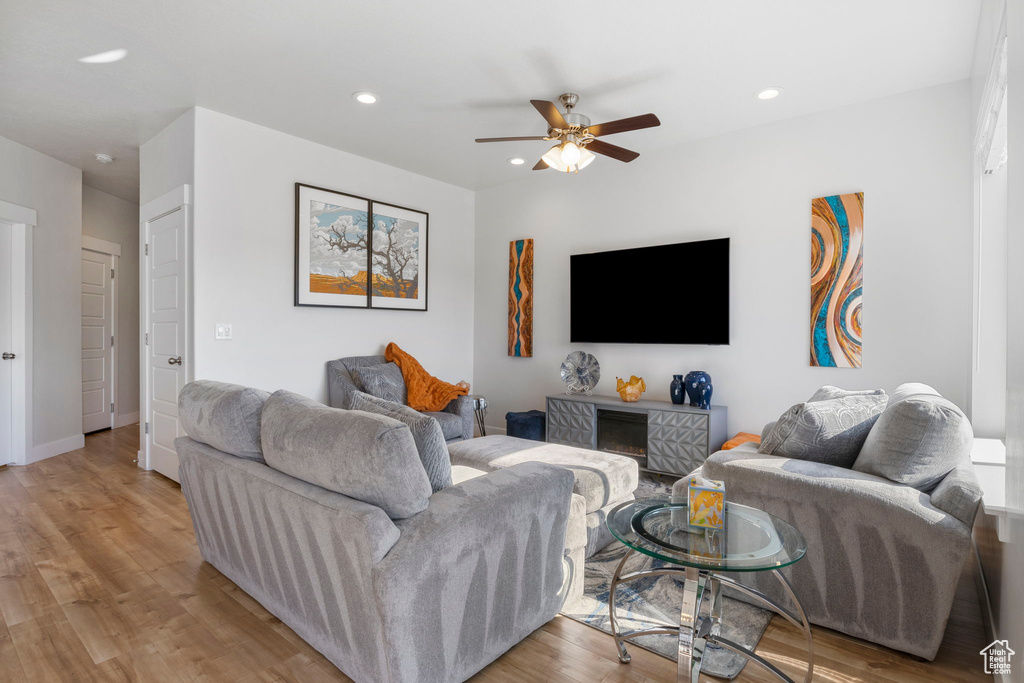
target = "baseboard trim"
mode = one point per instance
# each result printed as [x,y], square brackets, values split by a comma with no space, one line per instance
[48,450]
[126,419]
[493,429]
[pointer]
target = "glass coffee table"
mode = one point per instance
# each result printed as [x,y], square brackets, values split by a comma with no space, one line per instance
[752,541]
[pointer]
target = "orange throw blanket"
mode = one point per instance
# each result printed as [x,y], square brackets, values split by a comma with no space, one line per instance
[742,437]
[426,392]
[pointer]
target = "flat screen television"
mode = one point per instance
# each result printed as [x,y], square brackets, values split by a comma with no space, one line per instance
[668,294]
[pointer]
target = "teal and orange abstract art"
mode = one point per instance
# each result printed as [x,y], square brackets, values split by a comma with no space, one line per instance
[520,298]
[837,280]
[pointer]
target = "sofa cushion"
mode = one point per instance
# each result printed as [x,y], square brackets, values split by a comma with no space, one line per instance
[829,431]
[225,416]
[368,457]
[601,478]
[919,439]
[828,392]
[426,432]
[461,473]
[451,424]
[383,381]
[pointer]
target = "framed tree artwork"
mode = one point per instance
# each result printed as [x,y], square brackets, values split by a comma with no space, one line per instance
[398,258]
[352,252]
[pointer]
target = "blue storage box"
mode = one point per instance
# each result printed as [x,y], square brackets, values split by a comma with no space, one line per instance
[528,425]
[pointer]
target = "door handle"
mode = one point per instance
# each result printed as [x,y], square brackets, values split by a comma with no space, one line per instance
[8,356]
[174,361]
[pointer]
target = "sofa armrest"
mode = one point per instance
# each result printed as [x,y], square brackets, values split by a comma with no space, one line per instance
[463,407]
[339,385]
[790,479]
[475,572]
[959,493]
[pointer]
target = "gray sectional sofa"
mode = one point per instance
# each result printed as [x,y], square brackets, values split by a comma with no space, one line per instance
[887,534]
[328,519]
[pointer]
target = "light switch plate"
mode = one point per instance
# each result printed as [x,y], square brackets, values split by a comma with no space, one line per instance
[222,331]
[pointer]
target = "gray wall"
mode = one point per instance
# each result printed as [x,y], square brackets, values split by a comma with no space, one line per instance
[54,190]
[908,153]
[244,244]
[115,220]
[167,160]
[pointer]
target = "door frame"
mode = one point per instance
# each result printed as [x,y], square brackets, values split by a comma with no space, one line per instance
[179,199]
[23,220]
[112,249]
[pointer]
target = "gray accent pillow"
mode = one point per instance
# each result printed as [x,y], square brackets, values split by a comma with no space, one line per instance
[918,440]
[368,457]
[426,432]
[831,431]
[828,391]
[383,381]
[225,416]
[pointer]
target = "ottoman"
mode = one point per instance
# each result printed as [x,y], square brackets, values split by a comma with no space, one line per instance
[603,480]
[528,425]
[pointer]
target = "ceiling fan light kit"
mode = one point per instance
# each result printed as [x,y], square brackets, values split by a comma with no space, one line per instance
[575,138]
[567,157]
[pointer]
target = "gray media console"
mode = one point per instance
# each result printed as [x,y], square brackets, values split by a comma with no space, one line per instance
[664,437]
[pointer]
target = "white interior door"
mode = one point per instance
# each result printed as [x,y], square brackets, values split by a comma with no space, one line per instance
[6,366]
[166,313]
[97,341]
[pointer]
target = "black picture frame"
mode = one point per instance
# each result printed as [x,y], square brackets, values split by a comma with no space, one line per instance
[392,265]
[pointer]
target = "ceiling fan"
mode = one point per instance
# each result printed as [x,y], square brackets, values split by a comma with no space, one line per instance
[576,138]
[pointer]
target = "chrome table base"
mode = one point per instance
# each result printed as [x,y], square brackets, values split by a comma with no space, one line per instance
[697,632]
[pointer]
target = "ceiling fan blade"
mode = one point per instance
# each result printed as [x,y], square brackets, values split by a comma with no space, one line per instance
[541,165]
[528,137]
[613,151]
[549,110]
[623,125]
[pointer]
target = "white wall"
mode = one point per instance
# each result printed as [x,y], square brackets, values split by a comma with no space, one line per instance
[115,220]
[244,237]
[909,155]
[988,381]
[54,190]
[166,161]
[987,378]
[1011,592]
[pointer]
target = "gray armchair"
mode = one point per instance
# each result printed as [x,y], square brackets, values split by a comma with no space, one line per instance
[456,419]
[883,560]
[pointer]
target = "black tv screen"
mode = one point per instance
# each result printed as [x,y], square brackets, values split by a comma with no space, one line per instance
[669,294]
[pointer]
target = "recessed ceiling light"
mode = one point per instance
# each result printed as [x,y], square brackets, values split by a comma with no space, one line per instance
[365,97]
[105,57]
[517,161]
[769,93]
[104,158]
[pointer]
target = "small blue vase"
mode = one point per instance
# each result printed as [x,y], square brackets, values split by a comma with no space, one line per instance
[698,388]
[676,390]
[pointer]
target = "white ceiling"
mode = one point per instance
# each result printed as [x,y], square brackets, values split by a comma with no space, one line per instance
[448,71]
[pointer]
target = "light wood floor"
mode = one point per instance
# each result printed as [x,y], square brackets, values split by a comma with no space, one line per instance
[101,579]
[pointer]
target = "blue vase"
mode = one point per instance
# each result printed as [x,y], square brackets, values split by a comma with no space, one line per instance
[676,390]
[698,388]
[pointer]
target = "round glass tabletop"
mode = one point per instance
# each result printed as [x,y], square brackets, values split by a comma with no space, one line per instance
[752,540]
